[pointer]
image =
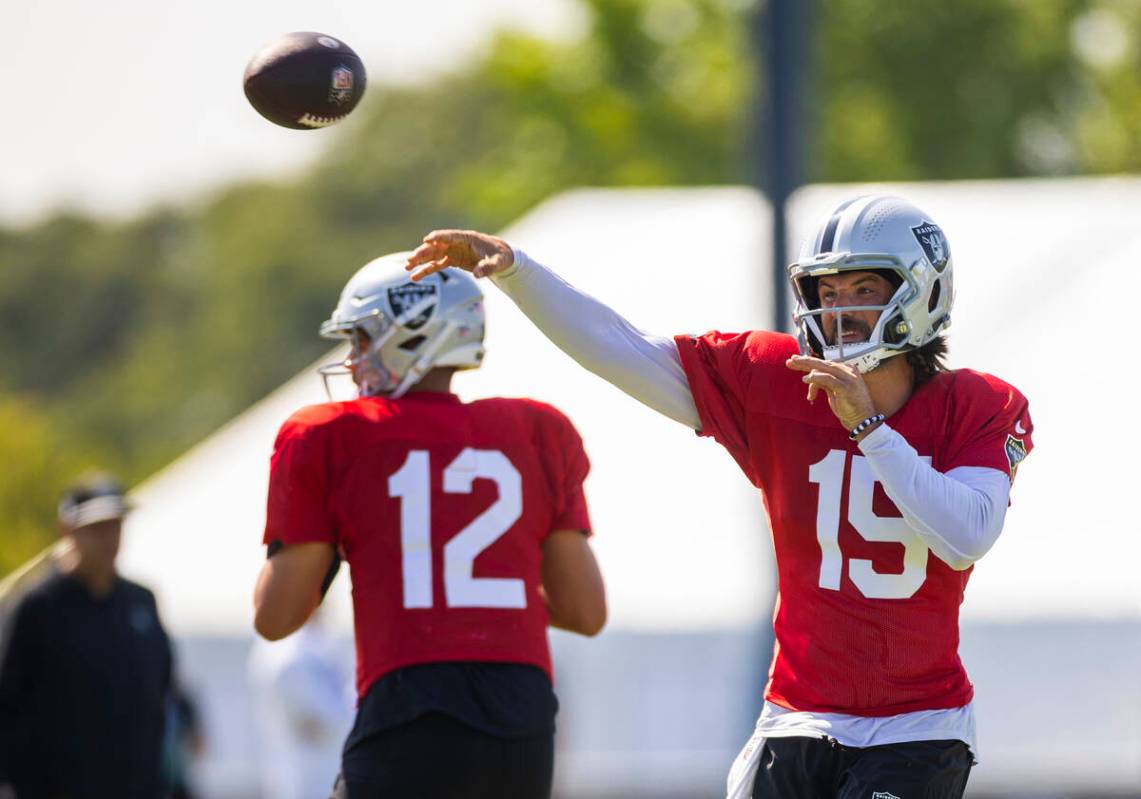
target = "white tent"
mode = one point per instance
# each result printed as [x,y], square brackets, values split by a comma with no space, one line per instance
[657,704]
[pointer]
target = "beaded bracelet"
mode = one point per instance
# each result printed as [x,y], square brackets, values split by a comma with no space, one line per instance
[864,425]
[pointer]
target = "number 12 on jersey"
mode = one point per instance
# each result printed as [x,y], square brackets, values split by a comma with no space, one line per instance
[412,485]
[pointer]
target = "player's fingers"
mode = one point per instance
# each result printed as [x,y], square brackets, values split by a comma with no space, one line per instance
[813,390]
[429,268]
[438,242]
[806,363]
[828,382]
[458,243]
[447,235]
[803,363]
[422,254]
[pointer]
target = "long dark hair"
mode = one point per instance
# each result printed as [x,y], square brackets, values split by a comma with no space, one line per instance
[928,360]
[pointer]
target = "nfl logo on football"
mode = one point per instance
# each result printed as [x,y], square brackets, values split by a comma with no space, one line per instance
[341,90]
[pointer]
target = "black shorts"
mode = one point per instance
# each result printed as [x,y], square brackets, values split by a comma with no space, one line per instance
[821,768]
[438,757]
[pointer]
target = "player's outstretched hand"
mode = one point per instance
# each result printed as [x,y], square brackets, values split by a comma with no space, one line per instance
[848,394]
[475,252]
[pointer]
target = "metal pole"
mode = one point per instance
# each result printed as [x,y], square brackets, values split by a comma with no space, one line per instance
[779,130]
[784,49]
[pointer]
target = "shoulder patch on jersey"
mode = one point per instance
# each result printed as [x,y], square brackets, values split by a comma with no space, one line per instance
[1015,453]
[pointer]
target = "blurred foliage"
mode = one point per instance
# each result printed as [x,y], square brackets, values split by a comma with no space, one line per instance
[939,91]
[36,469]
[122,344]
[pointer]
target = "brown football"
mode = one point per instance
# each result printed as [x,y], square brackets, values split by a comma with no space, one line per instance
[305,80]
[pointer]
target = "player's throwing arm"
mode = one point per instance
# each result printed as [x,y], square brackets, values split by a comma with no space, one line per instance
[646,367]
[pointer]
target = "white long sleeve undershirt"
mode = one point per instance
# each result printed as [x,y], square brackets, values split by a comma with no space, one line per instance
[959,514]
[646,367]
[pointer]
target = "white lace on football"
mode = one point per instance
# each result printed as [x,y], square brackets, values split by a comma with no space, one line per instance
[311,121]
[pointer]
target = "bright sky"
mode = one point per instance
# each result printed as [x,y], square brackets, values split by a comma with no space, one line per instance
[116,104]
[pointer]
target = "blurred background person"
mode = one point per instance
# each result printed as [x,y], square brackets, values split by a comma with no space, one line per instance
[303,705]
[86,673]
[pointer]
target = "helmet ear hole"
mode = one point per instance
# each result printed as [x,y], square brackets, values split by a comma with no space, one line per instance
[412,344]
[933,303]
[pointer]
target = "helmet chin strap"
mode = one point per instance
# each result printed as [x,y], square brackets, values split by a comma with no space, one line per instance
[375,365]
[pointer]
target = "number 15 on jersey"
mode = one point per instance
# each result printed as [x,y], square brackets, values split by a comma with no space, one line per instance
[829,475]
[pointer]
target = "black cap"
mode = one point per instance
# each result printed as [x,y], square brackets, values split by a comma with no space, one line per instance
[92,499]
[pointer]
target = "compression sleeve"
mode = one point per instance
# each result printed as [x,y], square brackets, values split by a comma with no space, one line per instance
[646,367]
[959,514]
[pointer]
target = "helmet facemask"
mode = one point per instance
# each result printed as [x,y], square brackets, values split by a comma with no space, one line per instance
[366,338]
[887,337]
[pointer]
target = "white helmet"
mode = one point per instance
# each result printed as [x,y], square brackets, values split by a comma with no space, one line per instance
[890,236]
[411,327]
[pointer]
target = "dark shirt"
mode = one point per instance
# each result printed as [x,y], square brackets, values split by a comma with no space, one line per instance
[508,700]
[83,687]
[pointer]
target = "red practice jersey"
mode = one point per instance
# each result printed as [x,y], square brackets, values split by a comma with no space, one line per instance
[440,508]
[867,618]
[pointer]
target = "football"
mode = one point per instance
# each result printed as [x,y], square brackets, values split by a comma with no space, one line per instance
[305,80]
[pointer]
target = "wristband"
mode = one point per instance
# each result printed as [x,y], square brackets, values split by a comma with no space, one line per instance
[864,425]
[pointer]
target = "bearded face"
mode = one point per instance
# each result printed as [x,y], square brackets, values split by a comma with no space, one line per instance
[846,290]
[851,327]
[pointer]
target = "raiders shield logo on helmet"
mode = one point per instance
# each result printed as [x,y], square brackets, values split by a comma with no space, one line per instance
[416,300]
[934,244]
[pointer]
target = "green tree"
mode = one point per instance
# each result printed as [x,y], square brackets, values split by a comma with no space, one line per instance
[38,463]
